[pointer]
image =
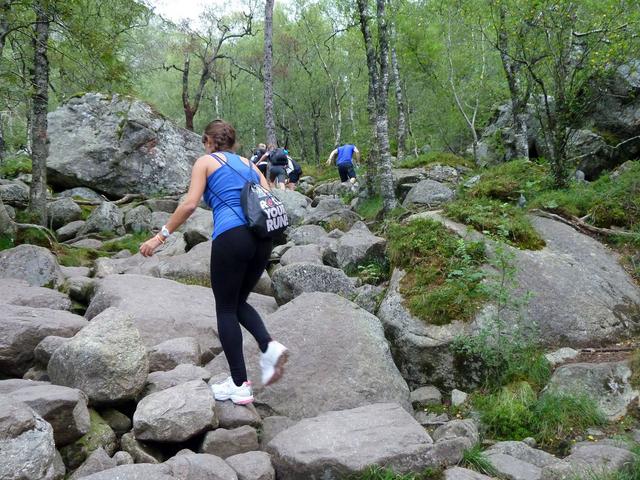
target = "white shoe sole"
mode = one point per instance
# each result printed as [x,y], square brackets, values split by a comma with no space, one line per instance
[235,399]
[278,369]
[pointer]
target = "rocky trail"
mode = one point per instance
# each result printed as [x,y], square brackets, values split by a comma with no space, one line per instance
[105,368]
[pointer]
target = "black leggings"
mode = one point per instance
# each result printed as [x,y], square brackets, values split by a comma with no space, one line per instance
[238,259]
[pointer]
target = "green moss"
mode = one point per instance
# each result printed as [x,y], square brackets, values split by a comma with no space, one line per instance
[506,221]
[130,242]
[32,236]
[431,158]
[99,435]
[69,256]
[200,282]
[13,166]
[87,210]
[443,281]
[334,223]
[6,242]
[635,369]
[508,180]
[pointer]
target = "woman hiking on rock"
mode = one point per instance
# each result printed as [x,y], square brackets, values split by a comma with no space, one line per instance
[238,257]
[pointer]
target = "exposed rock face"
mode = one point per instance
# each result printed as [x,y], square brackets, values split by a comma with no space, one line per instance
[297,278]
[63,211]
[106,217]
[23,328]
[428,193]
[422,351]
[106,359]
[175,414]
[164,309]
[35,265]
[338,444]
[19,292]
[606,383]
[64,408]
[319,330]
[117,145]
[26,443]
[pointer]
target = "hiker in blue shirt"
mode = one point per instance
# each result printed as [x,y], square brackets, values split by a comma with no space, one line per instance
[344,158]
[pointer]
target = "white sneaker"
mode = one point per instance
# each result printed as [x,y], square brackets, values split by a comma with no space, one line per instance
[228,390]
[272,362]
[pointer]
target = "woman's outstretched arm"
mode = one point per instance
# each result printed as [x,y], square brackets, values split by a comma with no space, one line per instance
[185,209]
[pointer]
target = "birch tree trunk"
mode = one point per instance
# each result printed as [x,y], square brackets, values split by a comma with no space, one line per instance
[372,159]
[40,148]
[382,117]
[269,118]
[402,122]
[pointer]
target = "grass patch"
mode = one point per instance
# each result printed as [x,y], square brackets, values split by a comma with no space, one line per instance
[373,272]
[379,473]
[14,166]
[634,364]
[442,158]
[497,218]
[320,172]
[130,242]
[69,256]
[6,242]
[475,459]
[515,412]
[607,202]
[443,281]
[87,210]
[508,180]
[370,208]
[32,236]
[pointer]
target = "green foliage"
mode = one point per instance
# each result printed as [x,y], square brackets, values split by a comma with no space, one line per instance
[130,242]
[508,180]
[432,158]
[320,172]
[502,220]
[14,166]
[372,272]
[475,459]
[444,280]
[32,236]
[607,202]
[370,207]
[379,473]
[515,412]
[6,242]
[86,211]
[69,256]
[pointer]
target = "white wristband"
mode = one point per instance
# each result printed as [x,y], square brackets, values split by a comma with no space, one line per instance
[164,231]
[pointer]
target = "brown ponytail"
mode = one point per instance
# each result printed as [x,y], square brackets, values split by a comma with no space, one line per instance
[221,134]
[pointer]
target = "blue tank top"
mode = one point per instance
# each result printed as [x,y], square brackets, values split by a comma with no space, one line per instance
[227,186]
[345,154]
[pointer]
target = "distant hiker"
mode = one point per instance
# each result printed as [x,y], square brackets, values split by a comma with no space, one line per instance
[277,158]
[238,257]
[344,158]
[294,172]
[260,150]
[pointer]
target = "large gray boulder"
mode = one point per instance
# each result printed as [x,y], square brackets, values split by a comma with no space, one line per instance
[19,292]
[118,145]
[331,212]
[63,211]
[579,293]
[356,247]
[294,279]
[428,193]
[164,309]
[252,466]
[98,461]
[335,445]
[225,443]
[106,359]
[198,227]
[13,384]
[157,381]
[199,466]
[64,408]
[422,351]
[592,460]
[100,435]
[319,330]
[311,253]
[14,193]
[294,203]
[139,471]
[23,328]
[70,230]
[106,217]
[608,384]
[138,219]
[171,353]
[175,414]
[35,265]
[307,234]
[26,444]
[82,193]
